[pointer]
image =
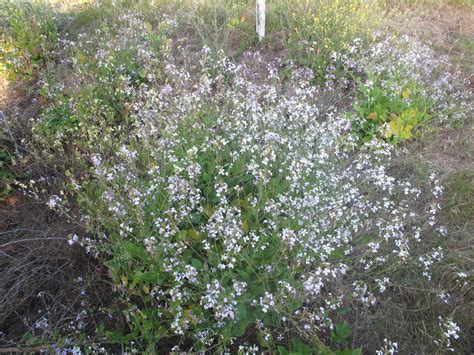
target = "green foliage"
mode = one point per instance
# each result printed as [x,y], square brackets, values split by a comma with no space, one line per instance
[340,334]
[6,175]
[395,114]
[29,37]
[97,108]
[142,274]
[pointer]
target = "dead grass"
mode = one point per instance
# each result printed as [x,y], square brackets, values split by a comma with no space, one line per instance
[447,149]
[459,197]
[448,27]
[39,273]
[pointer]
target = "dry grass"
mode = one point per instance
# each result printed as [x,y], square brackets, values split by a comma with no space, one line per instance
[39,272]
[438,22]
[449,27]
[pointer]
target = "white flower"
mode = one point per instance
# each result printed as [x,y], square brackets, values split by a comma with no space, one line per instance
[54,201]
[73,239]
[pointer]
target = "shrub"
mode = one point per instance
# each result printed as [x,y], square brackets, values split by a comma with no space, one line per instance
[125,52]
[393,111]
[29,37]
[242,210]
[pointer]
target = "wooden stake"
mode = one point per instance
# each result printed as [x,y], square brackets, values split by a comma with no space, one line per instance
[260,19]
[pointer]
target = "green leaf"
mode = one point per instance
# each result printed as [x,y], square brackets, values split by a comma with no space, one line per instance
[196,218]
[341,333]
[114,336]
[194,235]
[299,346]
[234,22]
[261,340]
[343,310]
[149,276]
[241,311]
[135,251]
[100,328]
[239,328]
[197,264]
[143,73]
[294,304]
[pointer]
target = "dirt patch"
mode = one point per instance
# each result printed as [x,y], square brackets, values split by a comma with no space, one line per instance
[46,284]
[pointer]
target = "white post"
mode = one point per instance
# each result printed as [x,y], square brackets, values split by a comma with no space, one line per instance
[260,19]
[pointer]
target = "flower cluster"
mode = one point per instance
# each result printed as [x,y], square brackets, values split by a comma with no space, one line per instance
[249,202]
[449,332]
[222,202]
